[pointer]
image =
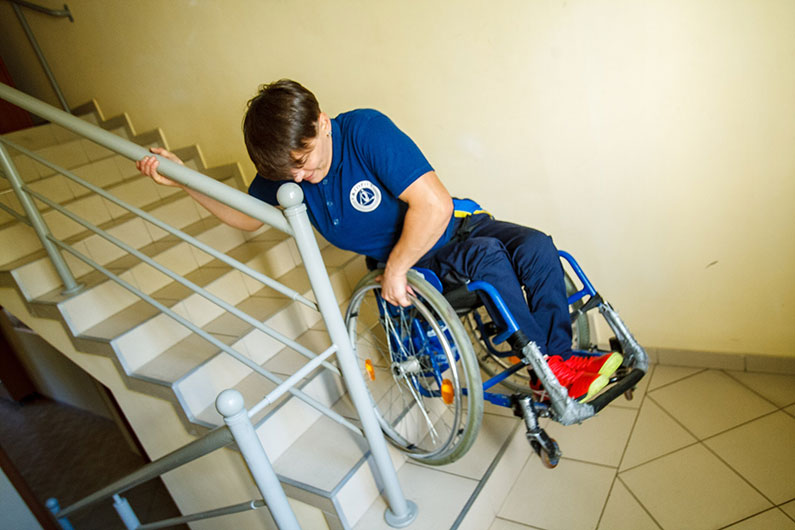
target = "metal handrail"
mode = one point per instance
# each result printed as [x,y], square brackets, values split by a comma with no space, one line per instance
[60,13]
[215,439]
[276,286]
[16,4]
[295,222]
[184,175]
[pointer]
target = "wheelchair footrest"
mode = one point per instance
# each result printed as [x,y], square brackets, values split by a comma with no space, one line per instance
[627,383]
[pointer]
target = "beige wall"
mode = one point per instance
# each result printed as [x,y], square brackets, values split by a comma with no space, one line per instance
[654,139]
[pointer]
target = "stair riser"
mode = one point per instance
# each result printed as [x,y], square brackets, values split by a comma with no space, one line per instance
[288,421]
[200,388]
[105,296]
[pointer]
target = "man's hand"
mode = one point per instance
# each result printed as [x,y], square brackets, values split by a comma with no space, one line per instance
[148,166]
[395,288]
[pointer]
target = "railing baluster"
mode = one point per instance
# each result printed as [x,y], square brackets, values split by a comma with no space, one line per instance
[55,509]
[231,406]
[35,44]
[400,512]
[126,512]
[70,284]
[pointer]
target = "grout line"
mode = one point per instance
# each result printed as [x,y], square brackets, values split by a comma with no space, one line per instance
[606,466]
[749,517]
[791,517]
[643,507]
[736,472]
[484,479]
[650,374]
[688,376]
[743,424]
[520,523]
[728,373]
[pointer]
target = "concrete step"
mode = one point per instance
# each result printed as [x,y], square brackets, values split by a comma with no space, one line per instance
[41,136]
[37,277]
[146,349]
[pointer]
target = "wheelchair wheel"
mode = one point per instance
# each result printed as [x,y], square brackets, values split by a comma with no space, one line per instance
[420,369]
[496,358]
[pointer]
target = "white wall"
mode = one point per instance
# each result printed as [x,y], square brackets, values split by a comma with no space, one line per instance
[653,139]
[53,374]
[15,513]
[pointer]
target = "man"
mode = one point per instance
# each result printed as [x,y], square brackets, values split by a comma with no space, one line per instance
[369,189]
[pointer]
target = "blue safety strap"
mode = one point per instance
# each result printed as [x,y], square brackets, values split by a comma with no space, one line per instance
[466,207]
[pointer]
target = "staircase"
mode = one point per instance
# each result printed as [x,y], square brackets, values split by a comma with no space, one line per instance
[158,356]
[325,468]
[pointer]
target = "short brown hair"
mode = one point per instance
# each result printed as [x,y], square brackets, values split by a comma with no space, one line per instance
[280,122]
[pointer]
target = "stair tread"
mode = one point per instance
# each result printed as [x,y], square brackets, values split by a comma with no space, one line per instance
[325,469]
[175,362]
[283,364]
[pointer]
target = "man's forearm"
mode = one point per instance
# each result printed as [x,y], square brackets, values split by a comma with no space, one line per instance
[422,228]
[225,213]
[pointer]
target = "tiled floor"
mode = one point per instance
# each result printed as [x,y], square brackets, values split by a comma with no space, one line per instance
[67,453]
[696,449]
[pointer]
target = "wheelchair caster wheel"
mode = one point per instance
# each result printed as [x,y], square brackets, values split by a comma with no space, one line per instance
[549,457]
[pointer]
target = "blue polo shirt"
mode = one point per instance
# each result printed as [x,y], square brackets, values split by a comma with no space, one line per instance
[356,206]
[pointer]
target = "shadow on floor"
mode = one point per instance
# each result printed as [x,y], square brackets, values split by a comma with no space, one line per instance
[68,453]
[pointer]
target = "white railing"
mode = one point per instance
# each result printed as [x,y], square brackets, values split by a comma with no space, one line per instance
[293,221]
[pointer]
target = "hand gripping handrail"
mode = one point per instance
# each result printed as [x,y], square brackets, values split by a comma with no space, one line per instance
[193,179]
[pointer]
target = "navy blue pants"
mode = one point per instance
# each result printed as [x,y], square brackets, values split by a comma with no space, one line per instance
[512,257]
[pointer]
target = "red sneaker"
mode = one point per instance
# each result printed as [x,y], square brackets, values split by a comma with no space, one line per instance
[581,385]
[604,364]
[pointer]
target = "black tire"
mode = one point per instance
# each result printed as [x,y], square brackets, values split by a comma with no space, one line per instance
[405,374]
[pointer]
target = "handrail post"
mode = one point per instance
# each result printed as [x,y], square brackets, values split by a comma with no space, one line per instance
[35,44]
[55,508]
[231,406]
[400,512]
[70,284]
[126,512]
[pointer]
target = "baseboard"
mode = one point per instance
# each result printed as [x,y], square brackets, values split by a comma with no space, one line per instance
[749,362]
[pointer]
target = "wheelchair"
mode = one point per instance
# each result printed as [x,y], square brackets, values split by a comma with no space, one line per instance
[423,363]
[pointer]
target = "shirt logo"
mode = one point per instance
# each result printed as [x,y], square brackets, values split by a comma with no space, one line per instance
[365,196]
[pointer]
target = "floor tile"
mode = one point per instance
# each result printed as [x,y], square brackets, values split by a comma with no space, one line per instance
[492,435]
[763,452]
[768,520]
[664,375]
[790,410]
[502,524]
[655,434]
[600,440]
[780,389]
[622,512]
[693,489]
[543,497]
[710,402]
[439,496]
[499,484]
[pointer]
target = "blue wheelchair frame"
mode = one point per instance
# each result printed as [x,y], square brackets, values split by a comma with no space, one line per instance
[425,340]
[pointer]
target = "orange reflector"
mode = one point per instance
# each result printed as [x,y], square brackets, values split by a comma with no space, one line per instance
[514,359]
[447,391]
[368,365]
